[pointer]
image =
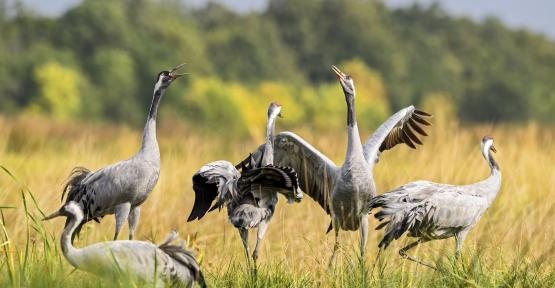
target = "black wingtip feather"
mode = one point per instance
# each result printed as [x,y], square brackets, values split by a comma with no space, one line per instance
[417,128]
[329,227]
[411,135]
[422,113]
[205,193]
[421,120]
[407,141]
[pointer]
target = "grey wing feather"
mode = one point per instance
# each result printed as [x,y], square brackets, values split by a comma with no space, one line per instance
[216,179]
[83,185]
[183,258]
[426,209]
[396,130]
[315,171]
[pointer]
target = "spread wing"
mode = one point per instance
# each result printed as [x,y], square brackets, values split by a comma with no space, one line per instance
[316,172]
[276,177]
[216,179]
[220,179]
[396,130]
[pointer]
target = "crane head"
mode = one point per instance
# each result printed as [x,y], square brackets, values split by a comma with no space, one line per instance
[274,110]
[345,80]
[487,144]
[166,77]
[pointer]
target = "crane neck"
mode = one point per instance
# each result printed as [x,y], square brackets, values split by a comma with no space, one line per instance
[354,146]
[68,250]
[494,167]
[351,116]
[493,182]
[149,134]
[268,157]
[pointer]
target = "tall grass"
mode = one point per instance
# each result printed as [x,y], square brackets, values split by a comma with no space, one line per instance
[512,246]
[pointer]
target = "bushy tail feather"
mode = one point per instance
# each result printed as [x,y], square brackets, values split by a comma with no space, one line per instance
[182,256]
[397,220]
[73,186]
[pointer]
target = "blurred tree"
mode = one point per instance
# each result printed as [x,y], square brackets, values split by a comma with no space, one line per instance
[113,73]
[213,105]
[116,47]
[58,88]
[253,49]
[92,25]
[497,101]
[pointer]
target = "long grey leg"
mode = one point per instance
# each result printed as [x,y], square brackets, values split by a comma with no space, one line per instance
[262,227]
[403,253]
[459,238]
[363,234]
[245,238]
[133,220]
[335,245]
[121,212]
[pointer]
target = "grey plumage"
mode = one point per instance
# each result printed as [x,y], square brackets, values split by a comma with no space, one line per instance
[250,195]
[344,192]
[430,211]
[122,187]
[165,265]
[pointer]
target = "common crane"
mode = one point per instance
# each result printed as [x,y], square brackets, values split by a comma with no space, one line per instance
[165,264]
[122,187]
[250,195]
[430,211]
[344,192]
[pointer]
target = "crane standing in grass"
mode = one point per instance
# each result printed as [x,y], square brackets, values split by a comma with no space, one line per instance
[250,195]
[344,192]
[161,265]
[122,187]
[432,211]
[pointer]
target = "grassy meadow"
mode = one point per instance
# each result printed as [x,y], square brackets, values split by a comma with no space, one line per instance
[513,245]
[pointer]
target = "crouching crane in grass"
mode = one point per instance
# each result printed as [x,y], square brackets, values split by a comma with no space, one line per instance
[163,265]
[250,195]
[430,211]
[121,188]
[344,192]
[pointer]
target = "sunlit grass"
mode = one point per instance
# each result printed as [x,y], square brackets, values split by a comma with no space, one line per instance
[512,246]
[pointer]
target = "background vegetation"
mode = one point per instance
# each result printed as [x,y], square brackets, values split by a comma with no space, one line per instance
[511,247]
[99,59]
[74,91]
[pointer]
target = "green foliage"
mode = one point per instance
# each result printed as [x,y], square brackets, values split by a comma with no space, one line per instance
[114,75]
[489,72]
[58,89]
[211,104]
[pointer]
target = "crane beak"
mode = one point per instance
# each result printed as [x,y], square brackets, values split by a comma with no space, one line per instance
[493,149]
[53,215]
[177,67]
[338,72]
[175,76]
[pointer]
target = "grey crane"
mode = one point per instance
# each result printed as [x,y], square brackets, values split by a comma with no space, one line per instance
[122,187]
[144,261]
[250,195]
[432,211]
[344,192]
